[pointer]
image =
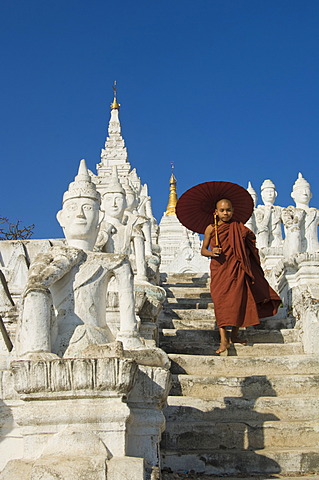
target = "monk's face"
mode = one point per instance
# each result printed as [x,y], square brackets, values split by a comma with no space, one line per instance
[224,210]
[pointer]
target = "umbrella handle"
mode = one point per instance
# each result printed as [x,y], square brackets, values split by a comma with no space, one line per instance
[216,230]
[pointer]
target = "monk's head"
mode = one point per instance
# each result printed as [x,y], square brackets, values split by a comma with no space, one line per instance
[224,210]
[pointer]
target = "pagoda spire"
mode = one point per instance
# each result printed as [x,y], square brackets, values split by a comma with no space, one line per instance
[114,105]
[114,151]
[172,199]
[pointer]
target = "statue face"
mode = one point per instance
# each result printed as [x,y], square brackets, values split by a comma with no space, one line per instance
[302,195]
[79,218]
[114,205]
[268,195]
[131,201]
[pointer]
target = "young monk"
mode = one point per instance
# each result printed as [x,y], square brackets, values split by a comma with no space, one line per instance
[239,290]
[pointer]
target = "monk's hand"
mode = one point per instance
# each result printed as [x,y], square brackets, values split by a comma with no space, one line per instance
[216,251]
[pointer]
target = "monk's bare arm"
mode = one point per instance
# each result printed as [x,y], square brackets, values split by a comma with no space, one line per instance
[207,236]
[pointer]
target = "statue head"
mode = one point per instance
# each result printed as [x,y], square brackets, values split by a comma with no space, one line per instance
[253,193]
[114,200]
[130,195]
[301,192]
[80,216]
[268,192]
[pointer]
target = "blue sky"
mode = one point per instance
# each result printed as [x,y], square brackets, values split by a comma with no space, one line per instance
[227,90]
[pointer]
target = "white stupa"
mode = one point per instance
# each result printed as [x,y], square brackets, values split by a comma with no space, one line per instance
[180,248]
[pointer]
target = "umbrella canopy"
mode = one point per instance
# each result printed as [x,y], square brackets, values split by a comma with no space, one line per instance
[195,209]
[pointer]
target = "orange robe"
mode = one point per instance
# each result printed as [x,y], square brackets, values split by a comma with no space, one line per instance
[239,290]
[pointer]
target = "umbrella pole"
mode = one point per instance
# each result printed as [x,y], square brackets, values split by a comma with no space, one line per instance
[216,230]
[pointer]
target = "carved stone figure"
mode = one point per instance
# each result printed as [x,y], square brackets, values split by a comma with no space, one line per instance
[251,223]
[122,233]
[268,218]
[301,194]
[150,231]
[301,222]
[60,313]
[293,220]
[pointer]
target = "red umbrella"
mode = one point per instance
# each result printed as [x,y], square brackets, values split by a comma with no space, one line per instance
[195,209]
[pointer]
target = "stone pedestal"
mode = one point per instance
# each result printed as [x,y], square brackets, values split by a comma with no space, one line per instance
[147,421]
[297,283]
[149,299]
[80,418]
[73,416]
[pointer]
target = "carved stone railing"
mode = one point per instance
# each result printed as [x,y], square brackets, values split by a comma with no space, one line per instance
[82,377]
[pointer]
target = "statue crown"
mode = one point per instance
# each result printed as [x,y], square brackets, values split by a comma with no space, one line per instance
[267,184]
[82,185]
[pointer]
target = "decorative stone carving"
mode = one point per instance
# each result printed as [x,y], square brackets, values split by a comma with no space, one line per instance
[268,218]
[62,378]
[122,233]
[301,222]
[111,400]
[62,436]
[293,220]
[251,224]
[152,297]
[138,202]
[306,311]
[115,152]
[188,258]
[60,314]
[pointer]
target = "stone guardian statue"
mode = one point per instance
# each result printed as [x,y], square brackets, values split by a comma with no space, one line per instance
[64,301]
[268,218]
[301,222]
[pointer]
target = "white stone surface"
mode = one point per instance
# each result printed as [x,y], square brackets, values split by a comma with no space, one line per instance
[301,222]
[268,218]
[122,233]
[127,468]
[251,223]
[180,248]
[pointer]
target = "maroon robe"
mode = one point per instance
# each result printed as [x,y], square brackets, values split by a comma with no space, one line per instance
[239,290]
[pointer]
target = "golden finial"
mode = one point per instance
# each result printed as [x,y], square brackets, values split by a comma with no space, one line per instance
[172,200]
[114,105]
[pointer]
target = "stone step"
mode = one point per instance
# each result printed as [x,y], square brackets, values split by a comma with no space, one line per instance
[184,279]
[248,435]
[191,314]
[192,309]
[253,334]
[175,345]
[188,292]
[223,365]
[187,475]
[186,303]
[192,409]
[169,322]
[204,319]
[205,342]
[295,461]
[243,386]
[277,323]
[261,335]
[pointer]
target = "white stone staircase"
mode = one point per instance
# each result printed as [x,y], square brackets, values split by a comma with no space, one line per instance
[253,412]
